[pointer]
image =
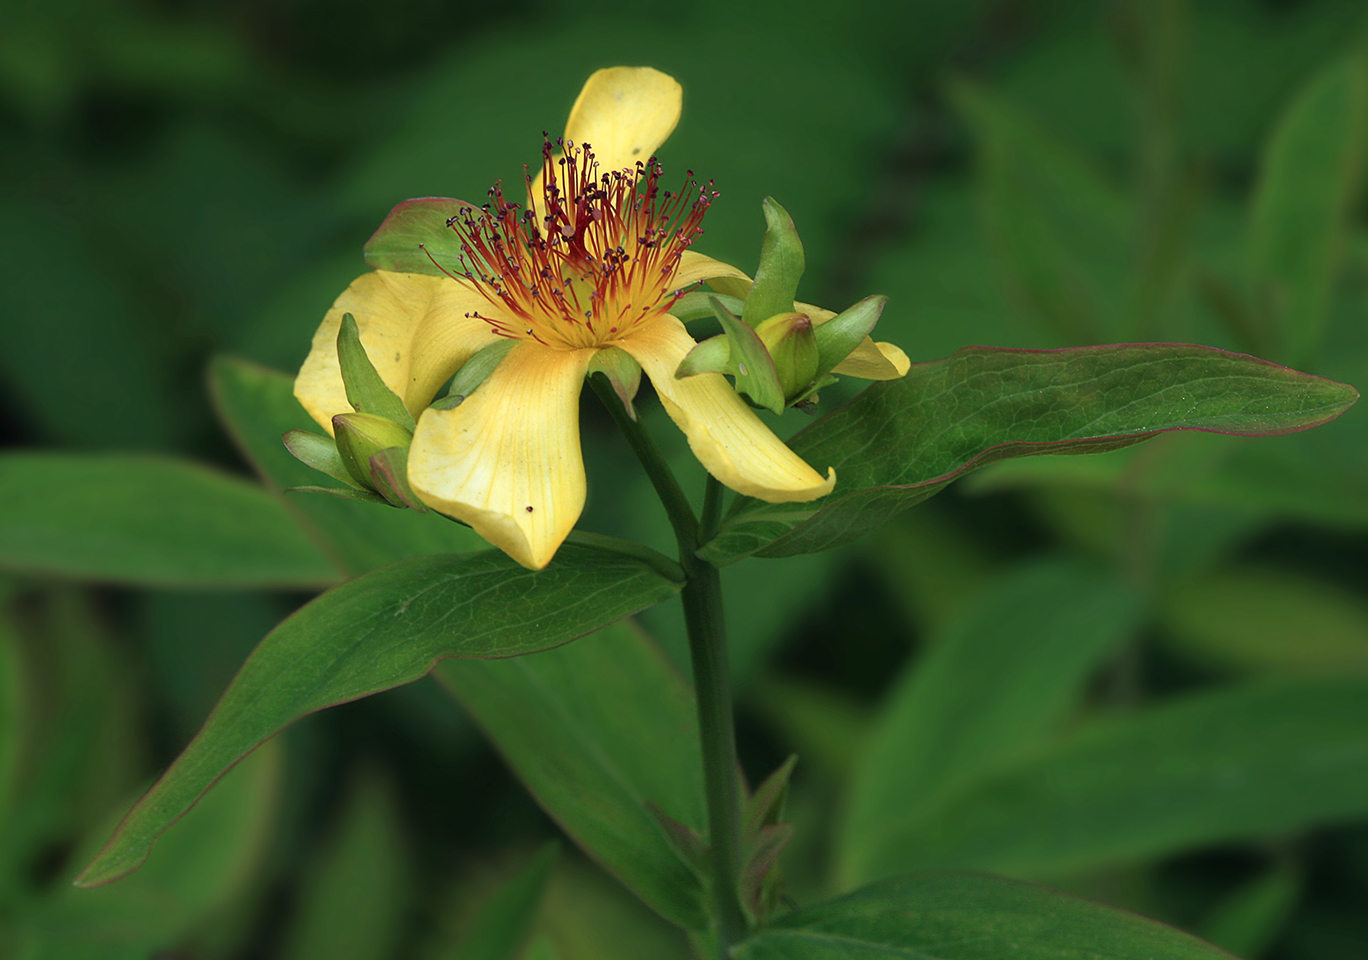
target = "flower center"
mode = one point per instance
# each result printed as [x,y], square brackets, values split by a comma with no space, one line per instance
[594,259]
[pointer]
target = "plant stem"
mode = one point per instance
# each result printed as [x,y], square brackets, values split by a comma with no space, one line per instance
[702,598]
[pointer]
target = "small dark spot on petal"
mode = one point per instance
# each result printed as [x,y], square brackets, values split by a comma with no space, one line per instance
[529,509]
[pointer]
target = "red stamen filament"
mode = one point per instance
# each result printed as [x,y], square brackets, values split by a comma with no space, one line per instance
[598,262]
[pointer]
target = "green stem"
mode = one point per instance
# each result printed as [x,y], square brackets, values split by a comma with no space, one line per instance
[702,598]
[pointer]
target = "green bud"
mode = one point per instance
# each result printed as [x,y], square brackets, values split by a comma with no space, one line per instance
[361,436]
[793,347]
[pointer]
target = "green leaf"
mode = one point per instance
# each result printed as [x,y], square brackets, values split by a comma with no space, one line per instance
[1247,922]
[947,916]
[505,923]
[366,392]
[1311,174]
[356,895]
[993,686]
[781,267]
[375,633]
[415,238]
[1253,760]
[1061,232]
[149,521]
[1268,620]
[904,440]
[601,732]
[749,361]
[206,860]
[257,405]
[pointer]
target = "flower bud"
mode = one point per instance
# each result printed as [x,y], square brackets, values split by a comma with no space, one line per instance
[361,436]
[791,344]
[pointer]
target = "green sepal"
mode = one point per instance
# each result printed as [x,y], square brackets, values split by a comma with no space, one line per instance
[318,452]
[807,400]
[696,306]
[752,366]
[474,372]
[416,238]
[791,344]
[623,373]
[713,355]
[342,493]
[781,267]
[366,392]
[389,474]
[361,436]
[840,335]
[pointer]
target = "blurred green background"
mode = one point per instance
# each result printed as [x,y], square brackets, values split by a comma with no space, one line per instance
[180,180]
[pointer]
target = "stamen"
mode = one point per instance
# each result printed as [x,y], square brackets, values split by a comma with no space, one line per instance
[568,274]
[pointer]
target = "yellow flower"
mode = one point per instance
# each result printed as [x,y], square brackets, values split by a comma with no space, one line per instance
[596,263]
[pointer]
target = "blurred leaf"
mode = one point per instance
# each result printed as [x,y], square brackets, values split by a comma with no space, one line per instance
[74,357]
[586,916]
[904,440]
[948,916]
[148,521]
[824,726]
[1279,477]
[356,896]
[377,632]
[600,732]
[505,922]
[79,750]
[1063,232]
[258,406]
[1209,768]
[996,683]
[1248,921]
[205,860]
[1311,173]
[931,564]
[1269,620]
[15,707]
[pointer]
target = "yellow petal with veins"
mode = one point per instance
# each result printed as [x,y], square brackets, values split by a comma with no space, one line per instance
[390,311]
[625,114]
[507,460]
[874,361]
[724,434]
[696,268]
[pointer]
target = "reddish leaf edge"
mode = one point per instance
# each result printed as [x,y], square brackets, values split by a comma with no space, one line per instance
[1102,443]
[90,877]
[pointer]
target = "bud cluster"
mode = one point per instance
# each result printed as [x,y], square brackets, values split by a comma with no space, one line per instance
[778,356]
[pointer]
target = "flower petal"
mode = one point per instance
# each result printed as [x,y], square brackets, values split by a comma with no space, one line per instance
[414,330]
[696,268]
[874,361]
[725,434]
[625,114]
[507,461]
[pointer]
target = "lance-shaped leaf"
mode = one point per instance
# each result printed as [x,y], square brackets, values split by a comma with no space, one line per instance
[949,916]
[375,633]
[258,405]
[603,733]
[149,521]
[1311,175]
[415,238]
[1254,760]
[781,267]
[904,440]
[994,686]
